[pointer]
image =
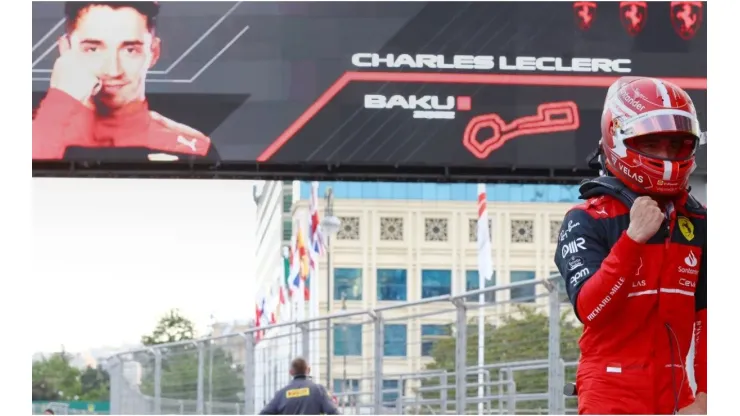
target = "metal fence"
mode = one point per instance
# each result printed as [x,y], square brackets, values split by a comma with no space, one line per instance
[401,358]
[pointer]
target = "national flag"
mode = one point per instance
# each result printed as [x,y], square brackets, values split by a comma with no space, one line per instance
[294,274]
[264,312]
[303,254]
[299,266]
[273,304]
[315,237]
[259,313]
[285,279]
[485,262]
[305,258]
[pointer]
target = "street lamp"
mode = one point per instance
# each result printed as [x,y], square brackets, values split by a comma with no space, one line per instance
[329,226]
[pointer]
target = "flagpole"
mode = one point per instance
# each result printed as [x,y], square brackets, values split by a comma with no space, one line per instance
[329,226]
[485,271]
[313,307]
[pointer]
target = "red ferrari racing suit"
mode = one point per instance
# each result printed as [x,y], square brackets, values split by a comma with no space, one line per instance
[640,304]
[63,128]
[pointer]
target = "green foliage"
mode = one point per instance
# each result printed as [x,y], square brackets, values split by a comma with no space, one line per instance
[54,378]
[172,327]
[180,365]
[522,336]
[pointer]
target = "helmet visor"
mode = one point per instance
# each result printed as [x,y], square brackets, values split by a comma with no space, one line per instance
[670,135]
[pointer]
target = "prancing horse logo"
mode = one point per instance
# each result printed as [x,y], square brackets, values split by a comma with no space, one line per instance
[686,17]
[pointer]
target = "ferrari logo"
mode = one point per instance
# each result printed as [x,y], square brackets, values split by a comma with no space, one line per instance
[686,227]
[633,15]
[585,13]
[686,17]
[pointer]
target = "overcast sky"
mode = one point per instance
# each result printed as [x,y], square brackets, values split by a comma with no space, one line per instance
[112,255]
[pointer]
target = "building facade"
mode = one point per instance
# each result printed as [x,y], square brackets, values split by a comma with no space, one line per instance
[274,227]
[402,243]
[274,201]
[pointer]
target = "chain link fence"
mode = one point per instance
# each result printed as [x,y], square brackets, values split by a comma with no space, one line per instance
[419,358]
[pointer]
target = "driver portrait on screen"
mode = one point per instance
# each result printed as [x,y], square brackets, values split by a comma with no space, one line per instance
[96,105]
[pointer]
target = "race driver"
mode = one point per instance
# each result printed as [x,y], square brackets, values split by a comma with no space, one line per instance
[96,103]
[634,258]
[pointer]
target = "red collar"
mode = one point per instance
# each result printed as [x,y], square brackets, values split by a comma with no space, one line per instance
[125,127]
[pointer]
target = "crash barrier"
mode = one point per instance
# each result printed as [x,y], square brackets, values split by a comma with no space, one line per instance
[400,358]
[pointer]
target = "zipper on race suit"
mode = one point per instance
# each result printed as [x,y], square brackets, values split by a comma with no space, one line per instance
[670,215]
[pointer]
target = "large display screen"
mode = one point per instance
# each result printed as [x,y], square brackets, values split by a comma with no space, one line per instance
[494,84]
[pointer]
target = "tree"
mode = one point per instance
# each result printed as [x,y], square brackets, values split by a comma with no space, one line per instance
[54,378]
[95,384]
[180,364]
[172,327]
[522,336]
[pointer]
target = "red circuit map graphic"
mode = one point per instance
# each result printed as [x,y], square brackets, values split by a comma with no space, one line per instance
[550,118]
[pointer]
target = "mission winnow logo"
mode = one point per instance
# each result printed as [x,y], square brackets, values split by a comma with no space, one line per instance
[429,107]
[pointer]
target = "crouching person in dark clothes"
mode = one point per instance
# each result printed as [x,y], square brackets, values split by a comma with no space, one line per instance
[301,396]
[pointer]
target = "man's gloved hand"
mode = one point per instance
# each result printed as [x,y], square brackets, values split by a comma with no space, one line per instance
[645,219]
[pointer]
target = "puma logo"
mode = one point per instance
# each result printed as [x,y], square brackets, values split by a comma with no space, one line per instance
[188,143]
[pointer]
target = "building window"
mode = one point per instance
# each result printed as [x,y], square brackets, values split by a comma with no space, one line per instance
[435,283]
[287,202]
[394,340]
[347,340]
[346,385]
[471,283]
[430,334]
[287,230]
[347,283]
[522,293]
[346,391]
[391,392]
[392,284]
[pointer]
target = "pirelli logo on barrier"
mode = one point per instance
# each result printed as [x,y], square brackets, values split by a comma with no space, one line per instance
[295,393]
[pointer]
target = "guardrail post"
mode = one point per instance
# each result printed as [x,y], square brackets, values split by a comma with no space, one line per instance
[400,392]
[511,400]
[554,378]
[157,381]
[200,393]
[461,354]
[306,343]
[114,366]
[378,363]
[561,376]
[501,392]
[443,394]
[249,373]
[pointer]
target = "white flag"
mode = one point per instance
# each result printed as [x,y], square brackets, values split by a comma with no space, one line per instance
[485,262]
